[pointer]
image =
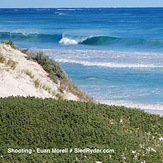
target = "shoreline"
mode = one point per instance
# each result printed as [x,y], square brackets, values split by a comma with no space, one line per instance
[14,79]
[155,109]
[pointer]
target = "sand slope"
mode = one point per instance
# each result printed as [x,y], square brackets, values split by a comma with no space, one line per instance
[22,77]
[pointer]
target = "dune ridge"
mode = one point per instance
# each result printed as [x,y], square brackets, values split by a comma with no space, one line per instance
[22,77]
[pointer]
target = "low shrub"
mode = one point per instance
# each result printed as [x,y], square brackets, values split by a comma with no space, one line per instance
[31,123]
[54,70]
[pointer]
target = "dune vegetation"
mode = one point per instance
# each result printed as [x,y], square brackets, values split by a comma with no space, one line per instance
[38,70]
[130,135]
[49,130]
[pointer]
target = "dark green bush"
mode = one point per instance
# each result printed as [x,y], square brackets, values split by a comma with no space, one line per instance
[33,123]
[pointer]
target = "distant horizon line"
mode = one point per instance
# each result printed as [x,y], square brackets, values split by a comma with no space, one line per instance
[72,7]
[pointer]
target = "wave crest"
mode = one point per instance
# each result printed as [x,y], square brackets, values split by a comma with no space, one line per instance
[68,41]
[109,65]
[112,41]
[84,40]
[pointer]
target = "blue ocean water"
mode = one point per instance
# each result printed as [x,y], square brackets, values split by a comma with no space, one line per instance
[113,54]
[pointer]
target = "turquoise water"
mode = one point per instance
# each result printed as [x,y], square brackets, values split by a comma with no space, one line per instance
[113,54]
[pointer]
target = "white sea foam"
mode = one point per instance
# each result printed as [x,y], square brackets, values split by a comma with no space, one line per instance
[43,9]
[68,9]
[109,65]
[110,59]
[153,108]
[60,13]
[117,59]
[68,41]
[21,31]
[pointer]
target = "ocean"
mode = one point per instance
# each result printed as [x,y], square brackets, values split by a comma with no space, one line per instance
[114,54]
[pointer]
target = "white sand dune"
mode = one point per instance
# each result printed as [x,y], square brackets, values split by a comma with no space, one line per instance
[22,77]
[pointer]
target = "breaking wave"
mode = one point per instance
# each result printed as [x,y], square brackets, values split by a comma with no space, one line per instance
[84,40]
[112,41]
[68,41]
[109,65]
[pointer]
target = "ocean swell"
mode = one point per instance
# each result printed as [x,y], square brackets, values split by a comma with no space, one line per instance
[66,39]
[111,41]
[107,40]
[30,37]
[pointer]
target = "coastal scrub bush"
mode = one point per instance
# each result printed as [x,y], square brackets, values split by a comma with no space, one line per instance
[31,123]
[54,70]
[56,73]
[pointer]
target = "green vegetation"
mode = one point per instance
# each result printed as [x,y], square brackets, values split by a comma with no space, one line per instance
[32,123]
[10,42]
[56,73]
[54,70]
[25,51]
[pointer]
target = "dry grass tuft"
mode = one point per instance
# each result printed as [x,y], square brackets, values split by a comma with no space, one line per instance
[27,72]
[67,85]
[12,64]
[37,83]
[2,59]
